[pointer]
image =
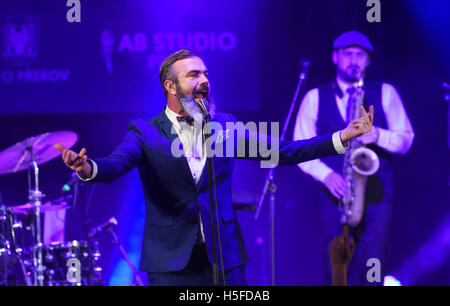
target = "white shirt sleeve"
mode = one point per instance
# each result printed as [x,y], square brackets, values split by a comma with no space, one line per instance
[399,136]
[305,128]
[94,172]
[337,143]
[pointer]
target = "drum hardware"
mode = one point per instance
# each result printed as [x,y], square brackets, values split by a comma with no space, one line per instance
[27,155]
[40,264]
[56,259]
[28,208]
[10,252]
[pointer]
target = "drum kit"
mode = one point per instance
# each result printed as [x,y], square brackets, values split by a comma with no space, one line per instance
[24,258]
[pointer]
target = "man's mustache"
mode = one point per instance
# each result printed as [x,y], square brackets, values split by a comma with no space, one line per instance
[354,68]
[201,89]
[354,71]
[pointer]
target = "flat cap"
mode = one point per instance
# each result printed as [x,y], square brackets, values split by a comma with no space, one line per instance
[353,38]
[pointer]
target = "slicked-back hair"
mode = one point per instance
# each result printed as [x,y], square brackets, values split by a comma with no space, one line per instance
[165,71]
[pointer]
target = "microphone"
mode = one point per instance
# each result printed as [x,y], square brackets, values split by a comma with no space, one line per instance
[68,185]
[203,103]
[304,66]
[102,227]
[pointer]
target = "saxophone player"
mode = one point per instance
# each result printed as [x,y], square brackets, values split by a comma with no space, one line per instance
[326,109]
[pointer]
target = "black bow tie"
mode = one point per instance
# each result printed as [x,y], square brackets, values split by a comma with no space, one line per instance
[188,120]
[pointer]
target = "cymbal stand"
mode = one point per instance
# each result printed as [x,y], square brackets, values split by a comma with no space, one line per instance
[35,196]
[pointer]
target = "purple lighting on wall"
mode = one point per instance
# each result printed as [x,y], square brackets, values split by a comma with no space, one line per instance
[430,256]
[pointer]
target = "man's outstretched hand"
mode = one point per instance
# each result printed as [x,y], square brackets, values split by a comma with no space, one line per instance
[74,161]
[359,126]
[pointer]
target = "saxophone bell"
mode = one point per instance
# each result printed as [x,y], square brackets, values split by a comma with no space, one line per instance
[364,161]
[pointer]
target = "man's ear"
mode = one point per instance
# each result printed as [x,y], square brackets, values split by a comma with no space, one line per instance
[170,86]
[334,57]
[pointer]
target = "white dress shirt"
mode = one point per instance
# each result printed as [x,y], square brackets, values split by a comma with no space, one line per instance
[191,139]
[397,138]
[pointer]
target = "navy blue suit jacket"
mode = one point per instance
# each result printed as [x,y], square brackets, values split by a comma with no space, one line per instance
[173,200]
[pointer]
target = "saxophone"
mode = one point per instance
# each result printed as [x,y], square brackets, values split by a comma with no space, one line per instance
[359,163]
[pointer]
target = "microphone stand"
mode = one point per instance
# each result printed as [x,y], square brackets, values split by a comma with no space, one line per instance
[206,133]
[86,222]
[116,241]
[269,183]
[211,185]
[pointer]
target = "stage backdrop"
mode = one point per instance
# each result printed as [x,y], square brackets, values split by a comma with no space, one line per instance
[109,62]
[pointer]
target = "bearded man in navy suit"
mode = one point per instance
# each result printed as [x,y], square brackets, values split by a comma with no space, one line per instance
[177,247]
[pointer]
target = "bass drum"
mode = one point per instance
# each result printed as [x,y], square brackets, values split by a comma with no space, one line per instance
[72,263]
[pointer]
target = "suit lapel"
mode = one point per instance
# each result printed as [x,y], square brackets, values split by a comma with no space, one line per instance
[166,129]
[166,126]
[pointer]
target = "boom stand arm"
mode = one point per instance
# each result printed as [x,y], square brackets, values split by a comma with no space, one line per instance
[270,185]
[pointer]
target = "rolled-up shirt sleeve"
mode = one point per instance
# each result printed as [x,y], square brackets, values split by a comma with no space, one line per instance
[305,128]
[399,136]
[337,143]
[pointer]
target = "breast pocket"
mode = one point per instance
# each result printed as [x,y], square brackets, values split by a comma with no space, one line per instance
[158,220]
[227,217]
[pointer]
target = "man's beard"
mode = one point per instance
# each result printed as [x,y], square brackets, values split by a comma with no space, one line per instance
[187,102]
[352,74]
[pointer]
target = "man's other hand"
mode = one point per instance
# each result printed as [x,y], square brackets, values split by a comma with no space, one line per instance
[359,126]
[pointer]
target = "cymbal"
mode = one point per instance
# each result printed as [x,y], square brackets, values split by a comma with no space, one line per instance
[17,157]
[26,208]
